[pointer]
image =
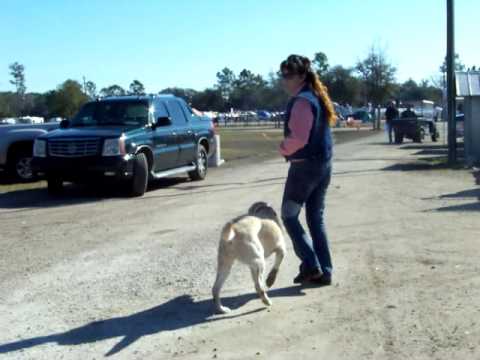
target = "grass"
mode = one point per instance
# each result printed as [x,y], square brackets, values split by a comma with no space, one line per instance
[245,143]
[7,186]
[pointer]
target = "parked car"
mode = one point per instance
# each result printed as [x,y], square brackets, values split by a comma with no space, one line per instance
[264,115]
[128,139]
[361,115]
[16,148]
[8,121]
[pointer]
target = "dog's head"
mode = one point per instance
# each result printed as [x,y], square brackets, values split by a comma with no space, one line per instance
[264,211]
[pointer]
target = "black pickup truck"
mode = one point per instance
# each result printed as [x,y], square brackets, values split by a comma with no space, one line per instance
[129,139]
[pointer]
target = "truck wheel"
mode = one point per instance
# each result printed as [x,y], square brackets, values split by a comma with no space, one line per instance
[418,138]
[398,138]
[20,166]
[435,137]
[54,185]
[201,165]
[140,175]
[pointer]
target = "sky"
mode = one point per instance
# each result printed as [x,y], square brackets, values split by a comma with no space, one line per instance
[185,43]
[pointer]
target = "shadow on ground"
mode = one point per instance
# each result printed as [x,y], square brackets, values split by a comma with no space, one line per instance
[178,313]
[78,194]
[73,194]
[465,194]
[424,165]
[460,208]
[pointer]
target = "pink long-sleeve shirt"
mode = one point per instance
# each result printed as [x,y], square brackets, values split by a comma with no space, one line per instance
[300,125]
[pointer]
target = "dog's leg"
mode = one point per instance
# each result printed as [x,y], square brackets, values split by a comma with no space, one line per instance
[257,269]
[272,276]
[223,270]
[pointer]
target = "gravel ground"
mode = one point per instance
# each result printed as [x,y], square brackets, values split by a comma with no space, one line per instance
[93,274]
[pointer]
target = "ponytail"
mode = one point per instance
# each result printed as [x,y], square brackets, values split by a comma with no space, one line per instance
[321,92]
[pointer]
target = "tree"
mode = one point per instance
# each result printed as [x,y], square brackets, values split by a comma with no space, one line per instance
[185,94]
[378,77]
[459,66]
[66,100]
[137,88]
[91,89]
[17,71]
[225,82]
[247,87]
[209,100]
[411,91]
[7,99]
[272,96]
[441,81]
[113,90]
[342,86]
[320,63]
[39,106]
[248,80]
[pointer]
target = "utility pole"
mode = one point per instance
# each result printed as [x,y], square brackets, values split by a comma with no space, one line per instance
[451,108]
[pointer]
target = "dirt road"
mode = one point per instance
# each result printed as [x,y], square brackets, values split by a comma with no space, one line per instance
[84,276]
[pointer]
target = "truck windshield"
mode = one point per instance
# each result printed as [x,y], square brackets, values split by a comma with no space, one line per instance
[107,113]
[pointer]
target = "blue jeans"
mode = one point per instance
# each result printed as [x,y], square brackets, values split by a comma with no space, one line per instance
[307,184]
[389,130]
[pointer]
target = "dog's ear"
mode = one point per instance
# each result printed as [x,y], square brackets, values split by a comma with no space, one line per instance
[256,207]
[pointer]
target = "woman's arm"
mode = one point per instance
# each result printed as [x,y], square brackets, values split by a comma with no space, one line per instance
[300,124]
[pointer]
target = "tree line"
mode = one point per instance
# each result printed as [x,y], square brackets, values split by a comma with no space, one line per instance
[371,80]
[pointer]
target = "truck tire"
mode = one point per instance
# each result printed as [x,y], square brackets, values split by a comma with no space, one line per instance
[419,136]
[54,185]
[434,137]
[140,175]
[201,165]
[20,168]
[398,138]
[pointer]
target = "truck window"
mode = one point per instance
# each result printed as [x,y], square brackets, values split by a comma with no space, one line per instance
[176,113]
[187,109]
[106,113]
[160,110]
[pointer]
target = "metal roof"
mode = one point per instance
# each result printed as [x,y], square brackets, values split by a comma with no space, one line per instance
[468,83]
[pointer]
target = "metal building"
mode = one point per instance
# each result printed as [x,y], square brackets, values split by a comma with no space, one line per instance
[468,87]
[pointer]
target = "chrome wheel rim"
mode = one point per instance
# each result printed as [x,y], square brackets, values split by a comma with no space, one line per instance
[24,168]
[202,162]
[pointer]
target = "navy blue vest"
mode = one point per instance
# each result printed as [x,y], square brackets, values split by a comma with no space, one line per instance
[320,142]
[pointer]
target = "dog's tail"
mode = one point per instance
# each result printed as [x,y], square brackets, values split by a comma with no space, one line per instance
[228,232]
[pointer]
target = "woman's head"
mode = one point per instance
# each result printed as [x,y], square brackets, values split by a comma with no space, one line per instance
[293,72]
[297,70]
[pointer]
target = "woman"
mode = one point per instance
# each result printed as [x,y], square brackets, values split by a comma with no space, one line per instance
[308,147]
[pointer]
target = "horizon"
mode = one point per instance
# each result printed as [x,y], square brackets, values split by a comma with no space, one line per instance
[73,40]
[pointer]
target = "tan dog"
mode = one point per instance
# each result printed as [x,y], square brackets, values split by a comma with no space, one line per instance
[250,239]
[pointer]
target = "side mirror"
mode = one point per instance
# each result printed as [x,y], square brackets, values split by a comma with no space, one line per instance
[163,122]
[64,124]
